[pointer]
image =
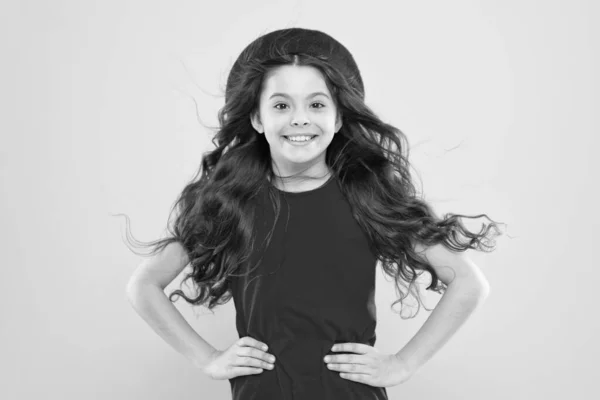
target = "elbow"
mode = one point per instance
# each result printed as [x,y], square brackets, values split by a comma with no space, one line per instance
[482,290]
[475,288]
[131,289]
[134,289]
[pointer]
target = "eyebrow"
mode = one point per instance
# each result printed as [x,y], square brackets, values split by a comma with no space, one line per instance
[310,95]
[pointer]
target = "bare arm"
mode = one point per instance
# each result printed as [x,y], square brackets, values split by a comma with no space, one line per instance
[467,289]
[145,291]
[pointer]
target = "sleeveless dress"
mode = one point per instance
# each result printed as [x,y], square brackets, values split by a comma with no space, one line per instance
[313,287]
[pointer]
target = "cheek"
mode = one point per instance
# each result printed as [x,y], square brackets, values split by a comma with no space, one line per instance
[275,126]
[328,124]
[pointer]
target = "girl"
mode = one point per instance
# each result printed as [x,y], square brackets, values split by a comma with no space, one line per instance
[296,139]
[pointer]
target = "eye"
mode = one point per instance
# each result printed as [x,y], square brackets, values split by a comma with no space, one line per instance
[283,104]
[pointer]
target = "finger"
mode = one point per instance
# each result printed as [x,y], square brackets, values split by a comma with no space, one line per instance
[246,370]
[362,378]
[352,348]
[349,359]
[351,368]
[258,354]
[252,362]
[250,341]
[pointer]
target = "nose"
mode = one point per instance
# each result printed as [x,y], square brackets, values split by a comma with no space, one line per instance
[300,119]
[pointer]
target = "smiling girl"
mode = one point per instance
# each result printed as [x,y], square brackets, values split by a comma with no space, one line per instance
[306,193]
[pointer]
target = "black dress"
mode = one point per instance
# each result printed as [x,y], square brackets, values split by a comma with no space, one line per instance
[314,287]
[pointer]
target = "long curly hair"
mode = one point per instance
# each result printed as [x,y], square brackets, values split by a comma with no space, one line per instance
[213,218]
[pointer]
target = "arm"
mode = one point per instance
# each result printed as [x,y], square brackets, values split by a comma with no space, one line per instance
[145,291]
[467,289]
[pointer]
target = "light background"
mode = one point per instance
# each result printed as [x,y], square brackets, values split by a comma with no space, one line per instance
[499,100]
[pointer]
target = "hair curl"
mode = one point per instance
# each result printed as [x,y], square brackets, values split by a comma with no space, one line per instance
[213,216]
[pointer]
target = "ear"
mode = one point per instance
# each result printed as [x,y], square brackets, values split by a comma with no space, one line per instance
[338,123]
[256,124]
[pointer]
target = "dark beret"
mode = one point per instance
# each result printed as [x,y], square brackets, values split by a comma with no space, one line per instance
[298,40]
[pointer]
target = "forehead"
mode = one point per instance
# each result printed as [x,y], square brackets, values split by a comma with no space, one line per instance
[296,81]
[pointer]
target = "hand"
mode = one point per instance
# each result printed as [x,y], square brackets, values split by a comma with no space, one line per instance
[369,366]
[244,357]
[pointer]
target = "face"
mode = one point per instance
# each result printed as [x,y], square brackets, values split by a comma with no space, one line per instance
[295,101]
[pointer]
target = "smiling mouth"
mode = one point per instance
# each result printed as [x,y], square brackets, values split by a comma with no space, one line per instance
[311,136]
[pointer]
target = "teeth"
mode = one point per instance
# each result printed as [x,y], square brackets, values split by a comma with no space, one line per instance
[299,138]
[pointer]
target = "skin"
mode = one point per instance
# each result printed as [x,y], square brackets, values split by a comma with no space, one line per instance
[297,111]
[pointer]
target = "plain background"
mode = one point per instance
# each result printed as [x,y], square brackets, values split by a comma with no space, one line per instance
[499,100]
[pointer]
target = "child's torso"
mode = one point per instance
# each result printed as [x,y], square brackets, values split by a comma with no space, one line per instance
[314,287]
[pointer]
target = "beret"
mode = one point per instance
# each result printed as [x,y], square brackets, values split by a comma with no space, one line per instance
[298,40]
